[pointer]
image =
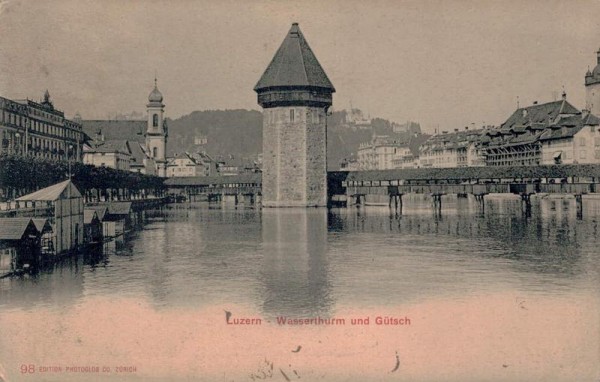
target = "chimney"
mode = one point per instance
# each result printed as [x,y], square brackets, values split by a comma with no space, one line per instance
[456,130]
[564,95]
[598,53]
[535,102]
[466,127]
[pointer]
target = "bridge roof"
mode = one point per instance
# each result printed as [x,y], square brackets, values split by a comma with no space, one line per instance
[255,178]
[466,173]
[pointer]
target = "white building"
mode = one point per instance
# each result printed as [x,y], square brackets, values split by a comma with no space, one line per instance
[456,149]
[572,140]
[379,153]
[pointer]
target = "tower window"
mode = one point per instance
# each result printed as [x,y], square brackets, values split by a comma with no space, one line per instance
[155,150]
[155,120]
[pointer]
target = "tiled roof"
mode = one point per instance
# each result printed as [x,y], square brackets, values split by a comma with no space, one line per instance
[52,193]
[100,211]
[42,225]
[131,130]
[452,140]
[183,155]
[526,125]
[137,152]
[13,228]
[539,114]
[110,146]
[294,64]
[119,208]
[569,126]
[88,216]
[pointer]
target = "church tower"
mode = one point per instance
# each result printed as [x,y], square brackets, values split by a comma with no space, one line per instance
[295,94]
[157,132]
[592,88]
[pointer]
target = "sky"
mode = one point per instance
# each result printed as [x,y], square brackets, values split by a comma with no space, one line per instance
[445,64]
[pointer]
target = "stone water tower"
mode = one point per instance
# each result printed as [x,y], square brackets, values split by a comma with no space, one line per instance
[295,94]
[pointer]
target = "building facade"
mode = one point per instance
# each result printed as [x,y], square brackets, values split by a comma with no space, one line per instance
[517,141]
[456,149]
[382,153]
[295,94]
[185,164]
[39,130]
[572,140]
[114,154]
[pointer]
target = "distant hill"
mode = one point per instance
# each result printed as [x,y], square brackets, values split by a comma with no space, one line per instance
[238,133]
[227,132]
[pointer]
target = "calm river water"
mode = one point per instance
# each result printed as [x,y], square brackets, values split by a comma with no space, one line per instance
[483,295]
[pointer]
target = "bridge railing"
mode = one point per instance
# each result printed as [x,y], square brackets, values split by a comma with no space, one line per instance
[568,188]
[475,189]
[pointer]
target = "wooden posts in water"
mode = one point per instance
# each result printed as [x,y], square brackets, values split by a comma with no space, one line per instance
[526,203]
[437,203]
[480,199]
[396,202]
[579,204]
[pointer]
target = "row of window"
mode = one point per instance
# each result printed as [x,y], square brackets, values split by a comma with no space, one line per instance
[291,115]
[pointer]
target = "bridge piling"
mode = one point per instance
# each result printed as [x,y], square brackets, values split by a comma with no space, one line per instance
[480,199]
[437,202]
[579,204]
[526,203]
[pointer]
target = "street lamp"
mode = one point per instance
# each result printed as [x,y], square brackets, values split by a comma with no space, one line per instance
[69,159]
[18,137]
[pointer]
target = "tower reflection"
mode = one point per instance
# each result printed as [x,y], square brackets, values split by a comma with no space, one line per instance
[295,266]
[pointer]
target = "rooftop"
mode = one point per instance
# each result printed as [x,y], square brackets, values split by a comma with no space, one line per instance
[14,228]
[294,65]
[53,193]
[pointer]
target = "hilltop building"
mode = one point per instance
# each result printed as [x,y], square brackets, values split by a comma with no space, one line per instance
[39,130]
[134,145]
[295,94]
[356,120]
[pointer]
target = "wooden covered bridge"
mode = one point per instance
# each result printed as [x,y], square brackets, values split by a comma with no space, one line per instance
[388,186]
[244,188]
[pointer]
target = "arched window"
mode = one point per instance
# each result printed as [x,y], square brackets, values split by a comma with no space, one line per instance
[155,152]
[155,120]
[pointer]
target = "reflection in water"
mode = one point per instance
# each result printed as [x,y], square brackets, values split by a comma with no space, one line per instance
[310,262]
[493,295]
[295,262]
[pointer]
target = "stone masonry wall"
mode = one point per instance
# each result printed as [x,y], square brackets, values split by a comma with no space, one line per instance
[294,167]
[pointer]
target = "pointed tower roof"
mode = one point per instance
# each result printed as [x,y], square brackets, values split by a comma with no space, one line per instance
[294,65]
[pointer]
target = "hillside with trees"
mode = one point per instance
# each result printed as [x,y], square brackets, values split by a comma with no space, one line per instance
[226,134]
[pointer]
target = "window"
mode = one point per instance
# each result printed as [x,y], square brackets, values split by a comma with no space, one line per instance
[597,141]
[582,154]
[582,141]
[292,115]
[155,120]
[154,152]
